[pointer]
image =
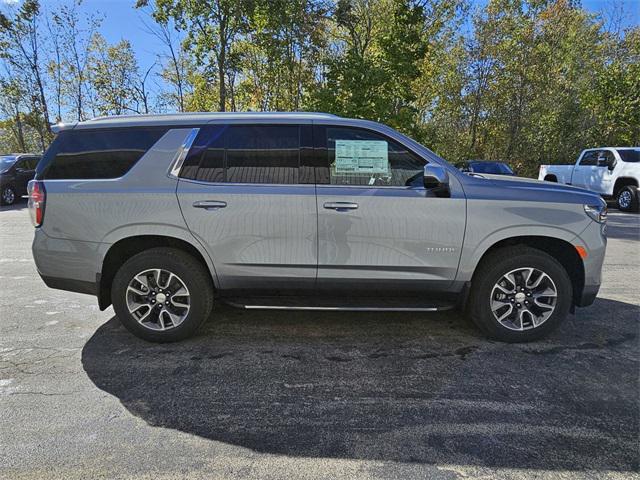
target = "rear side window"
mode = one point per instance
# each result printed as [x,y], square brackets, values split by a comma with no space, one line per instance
[263,154]
[630,155]
[96,154]
[245,154]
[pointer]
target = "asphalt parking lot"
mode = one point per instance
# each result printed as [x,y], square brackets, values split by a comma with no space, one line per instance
[272,395]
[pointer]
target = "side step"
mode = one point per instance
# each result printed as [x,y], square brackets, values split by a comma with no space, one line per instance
[359,304]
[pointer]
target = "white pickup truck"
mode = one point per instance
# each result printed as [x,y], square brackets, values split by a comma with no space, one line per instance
[613,172]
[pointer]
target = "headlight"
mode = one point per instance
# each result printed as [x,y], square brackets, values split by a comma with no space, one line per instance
[597,212]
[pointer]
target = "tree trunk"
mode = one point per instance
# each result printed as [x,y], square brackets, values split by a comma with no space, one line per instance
[20,133]
[221,79]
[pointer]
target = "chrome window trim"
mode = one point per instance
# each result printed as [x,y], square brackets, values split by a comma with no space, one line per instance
[235,184]
[369,187]
[181,153]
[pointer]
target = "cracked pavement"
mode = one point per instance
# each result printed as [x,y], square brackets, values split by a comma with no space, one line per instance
[272,395]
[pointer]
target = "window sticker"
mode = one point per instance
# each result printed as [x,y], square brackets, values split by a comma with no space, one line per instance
[362,156]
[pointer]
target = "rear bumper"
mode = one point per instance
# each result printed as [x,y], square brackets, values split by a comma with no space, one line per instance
[70,285]
[66,264]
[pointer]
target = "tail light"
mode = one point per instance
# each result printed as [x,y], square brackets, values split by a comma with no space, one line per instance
[37,200]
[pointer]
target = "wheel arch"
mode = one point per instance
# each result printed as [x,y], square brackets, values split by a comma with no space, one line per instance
[120,251]
[550,177]
[563,251]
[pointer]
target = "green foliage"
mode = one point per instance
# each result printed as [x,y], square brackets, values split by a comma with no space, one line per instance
[524,81]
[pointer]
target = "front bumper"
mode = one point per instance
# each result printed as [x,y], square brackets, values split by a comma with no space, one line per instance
[589,294]
[594,240]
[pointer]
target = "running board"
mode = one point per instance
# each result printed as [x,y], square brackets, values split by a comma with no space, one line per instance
[353,305]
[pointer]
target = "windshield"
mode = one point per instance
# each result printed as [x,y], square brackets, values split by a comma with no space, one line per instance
[630,155]
[491,167]
[6,161]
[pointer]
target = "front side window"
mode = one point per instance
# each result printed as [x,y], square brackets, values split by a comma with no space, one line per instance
[606,158]
[96,154]
[589,158]
[362,157]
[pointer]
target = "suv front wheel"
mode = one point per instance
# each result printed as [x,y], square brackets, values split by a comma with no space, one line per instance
[519,294]
[162,294]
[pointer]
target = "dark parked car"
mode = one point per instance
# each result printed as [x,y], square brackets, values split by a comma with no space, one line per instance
[484,166]
[15,172]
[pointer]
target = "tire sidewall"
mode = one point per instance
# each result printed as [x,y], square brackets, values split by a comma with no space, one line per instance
[185,267]
[483,316]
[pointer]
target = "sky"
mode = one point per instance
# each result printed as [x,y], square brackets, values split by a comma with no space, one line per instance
[122,20]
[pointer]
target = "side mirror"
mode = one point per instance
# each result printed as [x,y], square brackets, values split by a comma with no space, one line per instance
[436,180]
[611,163]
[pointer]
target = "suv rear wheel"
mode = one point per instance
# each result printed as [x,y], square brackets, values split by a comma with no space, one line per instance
[519,294]
[162,295]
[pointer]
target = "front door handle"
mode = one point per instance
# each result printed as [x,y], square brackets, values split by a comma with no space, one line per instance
[340,206]
[209,204]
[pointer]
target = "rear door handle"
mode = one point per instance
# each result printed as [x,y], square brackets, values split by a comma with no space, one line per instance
[340,206]
[209,204]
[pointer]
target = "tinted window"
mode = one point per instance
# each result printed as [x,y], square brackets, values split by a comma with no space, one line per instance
[361,157]
[629,155]
[590,158]
[27,163]
[94,154]
[263,154]
[496,168]
[247,154]
[205,161]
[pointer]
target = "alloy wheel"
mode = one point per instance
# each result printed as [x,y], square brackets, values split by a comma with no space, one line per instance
[8,196]
[523,299]
[624,199]
[158,299]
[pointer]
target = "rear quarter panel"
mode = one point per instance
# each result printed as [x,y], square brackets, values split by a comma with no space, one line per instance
[102,212]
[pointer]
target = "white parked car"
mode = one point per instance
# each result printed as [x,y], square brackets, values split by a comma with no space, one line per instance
[613,172]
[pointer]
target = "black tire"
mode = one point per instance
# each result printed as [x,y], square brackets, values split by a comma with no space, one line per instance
[627,199]
[8,196]
[189,270]
[492,269]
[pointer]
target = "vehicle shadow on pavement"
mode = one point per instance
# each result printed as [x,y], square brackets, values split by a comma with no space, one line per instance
[404,387]
[20,204]
[625,226]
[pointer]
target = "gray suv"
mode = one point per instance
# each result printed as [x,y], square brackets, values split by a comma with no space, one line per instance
[163,216]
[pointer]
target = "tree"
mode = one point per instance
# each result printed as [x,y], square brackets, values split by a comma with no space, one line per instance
[212,28]
[114,74]
[75,33]
[21,47]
